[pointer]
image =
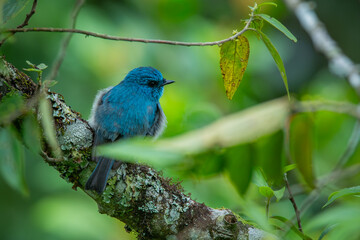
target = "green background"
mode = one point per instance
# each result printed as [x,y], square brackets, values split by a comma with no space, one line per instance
[54,211]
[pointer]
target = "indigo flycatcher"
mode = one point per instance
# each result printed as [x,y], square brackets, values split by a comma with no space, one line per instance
[128,109]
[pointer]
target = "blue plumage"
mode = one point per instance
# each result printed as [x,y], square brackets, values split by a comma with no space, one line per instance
[128,109]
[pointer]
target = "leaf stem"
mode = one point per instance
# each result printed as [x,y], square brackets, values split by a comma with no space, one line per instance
[267,207]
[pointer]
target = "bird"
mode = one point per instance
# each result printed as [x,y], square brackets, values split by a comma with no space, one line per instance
[129,109]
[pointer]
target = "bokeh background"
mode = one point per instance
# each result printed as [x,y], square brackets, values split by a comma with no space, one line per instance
[54,211]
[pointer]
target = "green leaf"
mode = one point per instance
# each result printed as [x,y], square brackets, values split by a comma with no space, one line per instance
[139,150]
[30,64]
[301,146]
[292,226]
[239,166]
[35,68]
[267,3]
[12,164]
[259,179]
[11,8]
[49,83]
[234,56]
[326,231]
[42,66]
[290,167]
[266,192]
[9,106]
[279,193]
[279,63]
[257,23]
[278,25]
[31,133]
[269,157]
[342,193]
[207,164]
[32,70]
[47,122]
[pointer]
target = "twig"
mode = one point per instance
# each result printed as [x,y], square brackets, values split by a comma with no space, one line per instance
[116,38]
[25,23]
[288,156]
[29,15]
[339,63]
[66,40]
[331,106]
[292,200]
[49,159]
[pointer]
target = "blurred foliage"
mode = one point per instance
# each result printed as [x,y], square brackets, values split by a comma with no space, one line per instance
[220,177]
[301,146]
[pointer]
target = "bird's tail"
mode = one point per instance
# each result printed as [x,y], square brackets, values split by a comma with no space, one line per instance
[97,180]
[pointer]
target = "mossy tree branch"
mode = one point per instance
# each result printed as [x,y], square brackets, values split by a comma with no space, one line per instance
[138,195]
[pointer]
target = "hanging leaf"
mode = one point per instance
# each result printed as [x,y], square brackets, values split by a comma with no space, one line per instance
[278,25]
[342,193]
[279,63]
[234,56]
[239,165]
[12,163]
[269,158]
[301,146]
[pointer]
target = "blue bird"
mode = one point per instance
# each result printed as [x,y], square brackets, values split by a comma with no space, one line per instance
[128,109]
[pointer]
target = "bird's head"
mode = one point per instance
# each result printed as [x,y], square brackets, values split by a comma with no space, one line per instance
[147,80]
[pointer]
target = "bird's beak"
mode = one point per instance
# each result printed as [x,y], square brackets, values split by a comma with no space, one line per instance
[166,82]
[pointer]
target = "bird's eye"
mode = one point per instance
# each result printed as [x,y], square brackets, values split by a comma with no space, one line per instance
[152,83]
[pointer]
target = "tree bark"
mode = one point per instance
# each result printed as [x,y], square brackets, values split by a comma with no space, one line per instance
[151,205]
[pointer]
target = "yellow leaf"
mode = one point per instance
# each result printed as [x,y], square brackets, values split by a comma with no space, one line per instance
[234,56]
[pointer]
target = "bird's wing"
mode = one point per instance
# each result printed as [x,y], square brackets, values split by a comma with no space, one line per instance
[96,103]
[159,123]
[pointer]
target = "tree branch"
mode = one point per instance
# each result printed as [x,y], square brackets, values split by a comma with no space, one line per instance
[339,63]
[139,196]
[116,38]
